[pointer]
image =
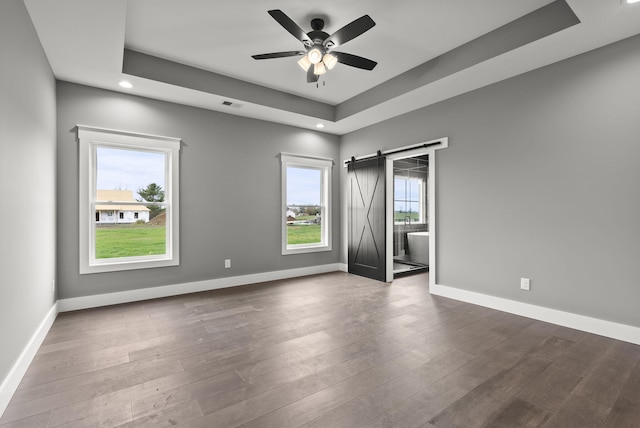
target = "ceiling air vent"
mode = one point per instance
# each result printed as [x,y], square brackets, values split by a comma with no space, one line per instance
[230,104]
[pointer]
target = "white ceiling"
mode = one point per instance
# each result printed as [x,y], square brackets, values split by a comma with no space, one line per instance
[216,36]
[84,42]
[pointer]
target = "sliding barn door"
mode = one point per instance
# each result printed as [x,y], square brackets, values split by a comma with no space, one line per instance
[367,222]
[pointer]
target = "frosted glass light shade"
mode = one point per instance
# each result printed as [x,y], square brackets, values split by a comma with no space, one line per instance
[329,60]
[304,63]
[315,56]
[319,68]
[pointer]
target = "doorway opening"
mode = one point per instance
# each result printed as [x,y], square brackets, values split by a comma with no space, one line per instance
[410,215]
[424,152]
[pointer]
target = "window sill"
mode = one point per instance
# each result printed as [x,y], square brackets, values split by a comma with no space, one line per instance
[305,249]
[116,266]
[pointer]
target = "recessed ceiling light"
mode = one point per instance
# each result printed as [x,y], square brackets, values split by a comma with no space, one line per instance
[125,84]
[630,1]
[319,125]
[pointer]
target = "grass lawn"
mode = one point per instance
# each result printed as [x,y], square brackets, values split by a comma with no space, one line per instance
[307,234]
[400,216]
[130,240]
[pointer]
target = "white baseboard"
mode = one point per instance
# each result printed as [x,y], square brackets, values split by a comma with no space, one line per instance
[13,379]
[597,326]
[115,298]
[343,267]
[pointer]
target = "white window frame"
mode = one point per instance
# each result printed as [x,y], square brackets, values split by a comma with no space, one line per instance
[89,139]
[325,166]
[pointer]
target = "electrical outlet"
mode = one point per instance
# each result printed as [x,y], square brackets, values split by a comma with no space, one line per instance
[227,264]
[525,284]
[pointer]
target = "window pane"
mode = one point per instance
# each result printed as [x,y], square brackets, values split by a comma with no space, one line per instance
[304,210]
[303,186]
[126,229]
[306,226]
[399,211]
[131,239]
[118,169]
[407,198]
[399,190]
[414,190]
[414,211]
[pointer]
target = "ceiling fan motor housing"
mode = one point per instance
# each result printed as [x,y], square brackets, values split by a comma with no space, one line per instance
[317,50]
[317,36]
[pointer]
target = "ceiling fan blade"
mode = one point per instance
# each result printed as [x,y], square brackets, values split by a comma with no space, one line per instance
[349,31]
[355,61]
[311,76]
[278,55]
[291,26]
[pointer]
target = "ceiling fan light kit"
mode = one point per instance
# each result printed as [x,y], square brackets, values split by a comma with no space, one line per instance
[319,45]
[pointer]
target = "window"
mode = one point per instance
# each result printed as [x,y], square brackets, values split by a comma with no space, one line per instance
[408,200]
[129,185]
[306,201]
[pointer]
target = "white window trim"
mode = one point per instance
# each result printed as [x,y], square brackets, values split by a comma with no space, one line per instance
[89,138]
[287,160]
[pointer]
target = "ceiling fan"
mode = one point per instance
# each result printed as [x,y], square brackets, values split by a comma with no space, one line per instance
[319,56]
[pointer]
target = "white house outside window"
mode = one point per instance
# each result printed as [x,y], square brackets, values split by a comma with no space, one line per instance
[306,198]
[128,200]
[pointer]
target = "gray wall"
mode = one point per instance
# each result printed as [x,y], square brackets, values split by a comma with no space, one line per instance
[540,180]
[27,180]
[230,204]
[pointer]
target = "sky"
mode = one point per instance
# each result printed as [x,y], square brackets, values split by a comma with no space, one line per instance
[303,186]
[121,169]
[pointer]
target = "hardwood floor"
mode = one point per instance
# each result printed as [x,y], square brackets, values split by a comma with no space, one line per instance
[332,350]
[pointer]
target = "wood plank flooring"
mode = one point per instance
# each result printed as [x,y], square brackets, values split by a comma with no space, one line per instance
[332,350]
